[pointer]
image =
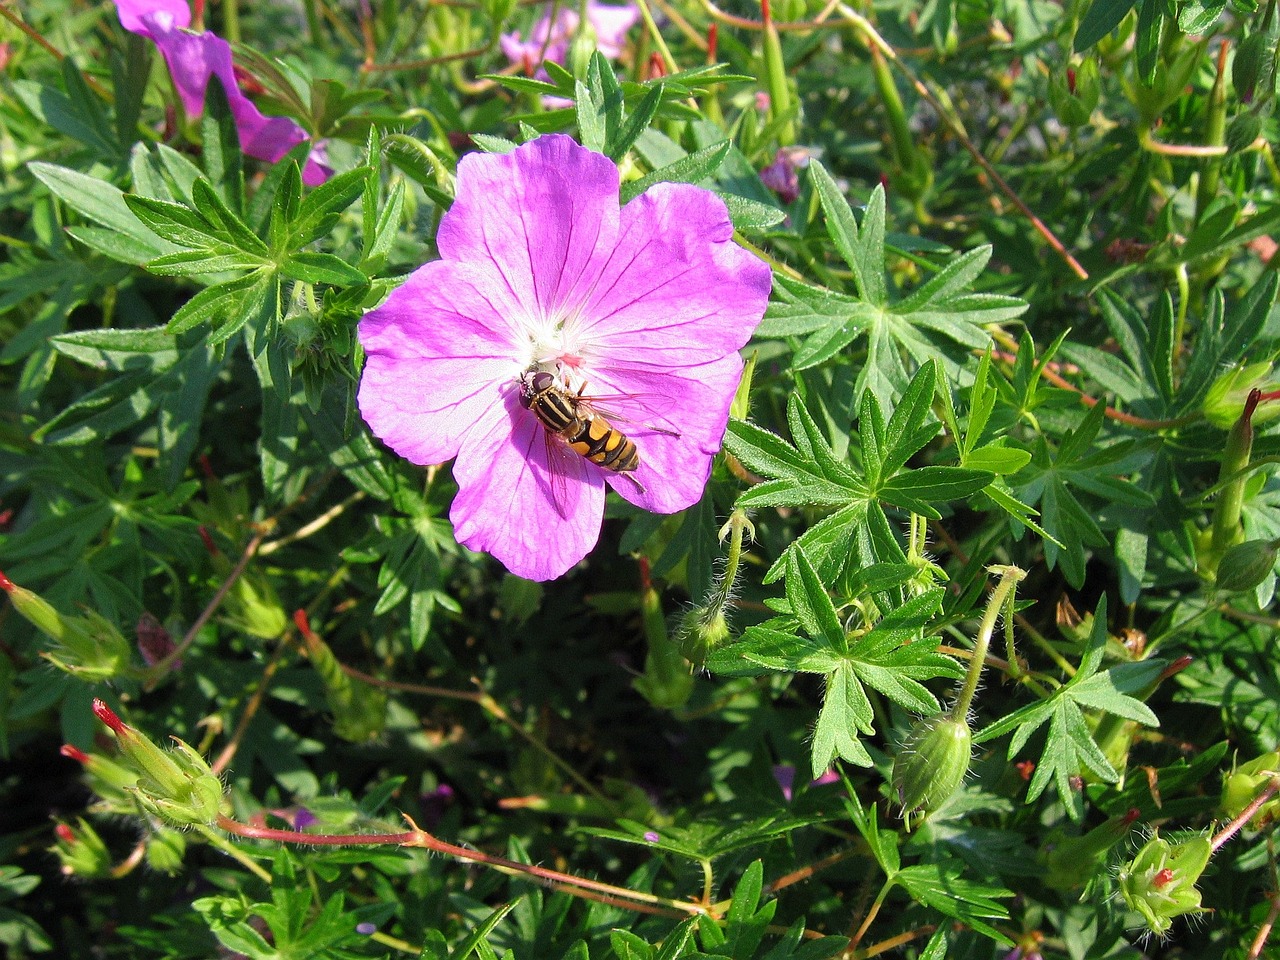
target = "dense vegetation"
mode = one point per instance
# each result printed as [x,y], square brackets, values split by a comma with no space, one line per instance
[965,648]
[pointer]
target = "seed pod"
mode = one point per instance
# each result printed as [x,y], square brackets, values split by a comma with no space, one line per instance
[1160,882]
[932,763]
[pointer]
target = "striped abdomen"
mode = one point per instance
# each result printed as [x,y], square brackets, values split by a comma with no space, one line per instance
[567,416]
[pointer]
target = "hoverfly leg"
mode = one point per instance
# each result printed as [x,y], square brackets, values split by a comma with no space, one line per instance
[638,485]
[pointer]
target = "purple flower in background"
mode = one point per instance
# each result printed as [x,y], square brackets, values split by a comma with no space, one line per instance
[785,775]
[781,176]
[195,57]
[642,308]
[549,39]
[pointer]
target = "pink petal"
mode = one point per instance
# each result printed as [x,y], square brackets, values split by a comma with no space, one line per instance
[138,16]
[195,57]
[317,169]
[611,25]
[676,290]
[440,357]
[543,214]
[690,402]
[508,503]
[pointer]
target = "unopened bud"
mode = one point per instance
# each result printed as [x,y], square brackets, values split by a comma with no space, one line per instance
[80,850]
[108,779]
[359,709]
[154,641]
[175,785]
[932,763]
[253,606]
[701,630]
[90,647]
[1245,782]
[165,850]
[1071,862]
[1245,565]
[1159,884]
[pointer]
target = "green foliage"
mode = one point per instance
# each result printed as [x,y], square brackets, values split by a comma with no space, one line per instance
[1023,317]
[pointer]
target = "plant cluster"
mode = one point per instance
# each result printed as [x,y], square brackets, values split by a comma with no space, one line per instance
[651,480]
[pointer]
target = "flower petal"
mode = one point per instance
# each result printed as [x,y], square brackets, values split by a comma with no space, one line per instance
[611,24]
[542,214]
[141,16]
[689,406]
[508,503]
[439,358]
[676,289]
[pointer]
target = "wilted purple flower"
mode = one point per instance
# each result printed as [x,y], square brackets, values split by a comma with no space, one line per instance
[549,39]
[643,308]
[154,641]
[195,57]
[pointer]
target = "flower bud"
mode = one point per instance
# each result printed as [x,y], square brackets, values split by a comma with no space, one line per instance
[108,779]
[165,849]
[701,630]
[1243,130]
[1241,785]
[253,606]
[359,709]
[177,785]
[1159,883]
[89,647]
[1248,64]
[1070,862]
[1246,565]
[932,763]
[80,850]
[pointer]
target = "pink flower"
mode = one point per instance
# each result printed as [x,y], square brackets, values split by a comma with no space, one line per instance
[643,307]
[549,40]
[195,57]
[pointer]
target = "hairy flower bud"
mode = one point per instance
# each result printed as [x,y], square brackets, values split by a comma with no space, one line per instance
[177,785]
[1241,785]
[932,763]
[90,647]
[701,630]
[165,849]
[80,850]
[1159,883]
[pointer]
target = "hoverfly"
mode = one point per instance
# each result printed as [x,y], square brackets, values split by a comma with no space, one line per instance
[570,416]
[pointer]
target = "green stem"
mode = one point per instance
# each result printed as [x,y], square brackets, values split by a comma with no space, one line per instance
[231,20]
[1001,597]
[1215,136]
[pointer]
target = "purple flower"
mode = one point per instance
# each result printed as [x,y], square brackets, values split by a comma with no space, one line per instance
[195,57]
[785,775]
[652,836]
[781,176]
[549,39]
[642,308]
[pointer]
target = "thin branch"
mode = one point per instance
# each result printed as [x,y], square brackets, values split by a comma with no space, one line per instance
[161,669]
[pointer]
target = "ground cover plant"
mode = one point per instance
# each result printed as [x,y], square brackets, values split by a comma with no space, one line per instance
[652,480]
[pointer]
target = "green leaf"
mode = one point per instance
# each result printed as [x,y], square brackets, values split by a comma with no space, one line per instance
[321,268]
[863,254]
[104,204]
[695,167]
[1101,18]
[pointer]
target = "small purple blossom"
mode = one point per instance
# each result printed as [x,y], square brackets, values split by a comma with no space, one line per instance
[781,176]
[194,58]
[643,307]
[652,836]
[785,775]
[366,928]
[549,39]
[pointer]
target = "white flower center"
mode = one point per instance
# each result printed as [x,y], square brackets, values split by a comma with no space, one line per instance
[556,344]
